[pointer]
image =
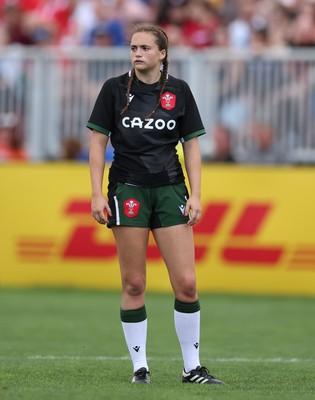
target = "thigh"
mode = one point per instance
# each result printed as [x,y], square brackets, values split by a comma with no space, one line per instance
[132,243]
[176,244]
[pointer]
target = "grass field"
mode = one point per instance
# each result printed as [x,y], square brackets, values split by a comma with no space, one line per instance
[68,344]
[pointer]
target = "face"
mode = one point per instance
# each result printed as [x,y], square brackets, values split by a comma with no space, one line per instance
[144,52]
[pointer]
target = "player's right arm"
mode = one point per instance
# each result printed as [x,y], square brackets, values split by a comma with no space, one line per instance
[97,167]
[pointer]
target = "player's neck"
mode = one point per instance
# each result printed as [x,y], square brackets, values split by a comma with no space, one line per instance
[150,77]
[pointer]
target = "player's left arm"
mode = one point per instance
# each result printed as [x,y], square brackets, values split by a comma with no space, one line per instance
[192,161]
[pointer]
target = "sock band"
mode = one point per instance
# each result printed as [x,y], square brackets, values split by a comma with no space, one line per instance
[137,315]
[187,308]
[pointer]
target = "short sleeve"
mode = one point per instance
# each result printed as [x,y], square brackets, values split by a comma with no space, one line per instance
[103,113]
[190,123]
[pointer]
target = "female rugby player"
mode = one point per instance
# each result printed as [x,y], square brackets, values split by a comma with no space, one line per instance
[145,113]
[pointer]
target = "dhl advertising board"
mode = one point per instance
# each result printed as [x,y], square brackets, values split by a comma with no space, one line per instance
[257,233]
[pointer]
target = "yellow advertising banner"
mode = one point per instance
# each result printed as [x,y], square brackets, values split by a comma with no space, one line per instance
[257,233]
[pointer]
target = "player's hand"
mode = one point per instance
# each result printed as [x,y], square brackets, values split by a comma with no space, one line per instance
[193,209]
[100,209]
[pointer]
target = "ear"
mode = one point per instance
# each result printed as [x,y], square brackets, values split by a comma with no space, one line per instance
[162,54]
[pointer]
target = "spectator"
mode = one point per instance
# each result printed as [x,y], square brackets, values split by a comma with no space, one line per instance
[11,148]
[200,28]
[83,20]
[171,15]
[279,22]
[16,26]
[133,11]
[254,83]
[42,36]
[262,147]
[71,149]
[302,32]
[11,69]
[49,20]
[222,147]
[239,30]
[106,33]
[130,12]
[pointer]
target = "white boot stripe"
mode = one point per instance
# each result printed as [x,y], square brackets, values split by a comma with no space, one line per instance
[201,378]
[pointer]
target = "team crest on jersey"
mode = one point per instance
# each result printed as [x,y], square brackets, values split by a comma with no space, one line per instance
[131,208]
[168,100]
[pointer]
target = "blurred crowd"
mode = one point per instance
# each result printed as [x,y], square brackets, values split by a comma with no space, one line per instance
[196,23]
[200,24]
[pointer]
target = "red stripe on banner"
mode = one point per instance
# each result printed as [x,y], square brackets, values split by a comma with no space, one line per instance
[269,256]
[212,217]
[83,244]
[78,207]
[251,220]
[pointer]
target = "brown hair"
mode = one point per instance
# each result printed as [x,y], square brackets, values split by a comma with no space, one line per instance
[162,42]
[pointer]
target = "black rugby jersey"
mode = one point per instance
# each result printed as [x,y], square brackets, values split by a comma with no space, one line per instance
[145,149]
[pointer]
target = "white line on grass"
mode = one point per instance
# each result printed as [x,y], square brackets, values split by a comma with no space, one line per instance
[220,360]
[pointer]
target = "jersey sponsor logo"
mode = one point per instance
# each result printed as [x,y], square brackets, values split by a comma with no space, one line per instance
[168,100]
[131,208]
[150,123]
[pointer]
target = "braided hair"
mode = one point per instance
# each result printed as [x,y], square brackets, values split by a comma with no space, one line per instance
[162,42]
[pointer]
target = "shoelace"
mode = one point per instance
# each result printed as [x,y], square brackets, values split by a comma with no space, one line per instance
[140,373]
[204,372]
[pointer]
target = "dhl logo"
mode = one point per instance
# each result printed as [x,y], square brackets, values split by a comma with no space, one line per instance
[240,247]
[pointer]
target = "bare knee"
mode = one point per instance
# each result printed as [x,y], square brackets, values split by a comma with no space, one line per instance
[134,287]
[186,289]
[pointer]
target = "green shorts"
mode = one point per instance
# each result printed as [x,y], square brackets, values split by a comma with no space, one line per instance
[147,207]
